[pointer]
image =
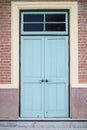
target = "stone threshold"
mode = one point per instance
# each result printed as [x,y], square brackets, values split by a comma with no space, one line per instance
[44,119]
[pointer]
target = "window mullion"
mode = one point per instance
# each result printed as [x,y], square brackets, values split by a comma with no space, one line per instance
[44,22]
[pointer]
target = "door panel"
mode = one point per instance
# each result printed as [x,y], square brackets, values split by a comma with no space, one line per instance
[32,53]
[32,100]
[56,72]
[32,71]
[56,100]
[44,57]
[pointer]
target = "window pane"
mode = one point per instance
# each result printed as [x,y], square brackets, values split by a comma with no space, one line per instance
[55,18]
[33,27]
[33,18]
[55,27]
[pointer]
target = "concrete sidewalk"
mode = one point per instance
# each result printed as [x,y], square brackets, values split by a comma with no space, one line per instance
[42,125]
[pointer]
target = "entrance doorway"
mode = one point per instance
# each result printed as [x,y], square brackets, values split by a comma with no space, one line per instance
[44,64]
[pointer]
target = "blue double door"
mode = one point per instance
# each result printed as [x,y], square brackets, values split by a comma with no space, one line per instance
[44,76]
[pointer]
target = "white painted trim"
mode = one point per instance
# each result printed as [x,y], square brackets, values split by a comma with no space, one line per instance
[72,6]
[15,8]
[8,86]
[79,86]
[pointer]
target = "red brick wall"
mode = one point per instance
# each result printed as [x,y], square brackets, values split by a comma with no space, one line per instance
[5,40]
[82,20]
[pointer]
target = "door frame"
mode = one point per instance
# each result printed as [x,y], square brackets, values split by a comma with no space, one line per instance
[16,7]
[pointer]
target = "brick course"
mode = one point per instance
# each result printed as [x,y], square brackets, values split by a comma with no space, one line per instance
[82,20]
[5,40]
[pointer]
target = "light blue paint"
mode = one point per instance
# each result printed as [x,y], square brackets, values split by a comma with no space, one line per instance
[32,64]
[56,71]
[44,57]
[44,32]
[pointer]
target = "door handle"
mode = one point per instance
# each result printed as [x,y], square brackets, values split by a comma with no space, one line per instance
[46,80]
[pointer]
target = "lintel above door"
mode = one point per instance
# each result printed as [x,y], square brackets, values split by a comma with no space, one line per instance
[44,22]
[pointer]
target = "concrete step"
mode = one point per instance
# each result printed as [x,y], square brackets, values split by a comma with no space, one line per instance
[21,128]
[43,125]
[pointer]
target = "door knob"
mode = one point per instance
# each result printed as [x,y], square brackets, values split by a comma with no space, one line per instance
[42,80]
[46,80]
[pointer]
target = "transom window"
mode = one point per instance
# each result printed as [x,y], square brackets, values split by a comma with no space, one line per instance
[44,22]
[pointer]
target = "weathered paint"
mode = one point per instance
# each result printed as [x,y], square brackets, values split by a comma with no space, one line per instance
[79,103]
[9,103]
